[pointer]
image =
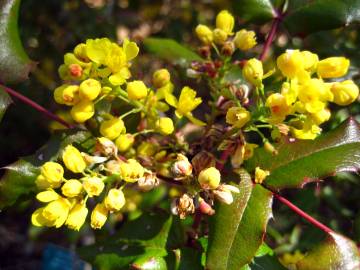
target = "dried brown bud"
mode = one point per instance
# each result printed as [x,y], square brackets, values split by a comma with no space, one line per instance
[203,160]
[204,51]
[113,166]
[106,147]
[91,160]
[148,181]
[181,167]
[224,193]
[75,70]
[183,206]
[228,48]
[238,157]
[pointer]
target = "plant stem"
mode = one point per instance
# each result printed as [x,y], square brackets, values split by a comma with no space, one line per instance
[36,106]
[271,36]
[301,213]
[223,158]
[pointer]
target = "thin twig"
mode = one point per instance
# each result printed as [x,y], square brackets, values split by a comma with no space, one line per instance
[301,213]
[36,106]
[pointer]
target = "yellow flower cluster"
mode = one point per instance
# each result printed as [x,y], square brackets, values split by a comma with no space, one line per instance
[224,26]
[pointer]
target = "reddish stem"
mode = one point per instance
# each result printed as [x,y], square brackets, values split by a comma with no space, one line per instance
[304,215]
[223,158]
[270,37]
[36,106]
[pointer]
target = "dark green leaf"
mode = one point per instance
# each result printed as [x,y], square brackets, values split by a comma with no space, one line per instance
[268,262]
[14,63]
[336,252]
[147,262]
[321,15]
[305,161]
[5,101]
[170,50]
[256,11]
[234,245]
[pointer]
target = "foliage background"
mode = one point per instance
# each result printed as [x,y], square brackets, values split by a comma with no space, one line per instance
[50,29]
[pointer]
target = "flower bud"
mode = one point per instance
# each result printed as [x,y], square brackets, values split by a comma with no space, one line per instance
[209,178]
[90,89]
[124,142]
[114,200]
[71,188]
[99,216]
[291,63]
[47,196]
[148,181]
[82,111]
[136,90]
[260,175]
[203,160]
[56,212]
[75,70]
[112,128]
[113,166]
[253,72]
[310,60]
[220,36]
[183,206]
[42,183]
[345,92]
[80,52]
[333,67]
[73,159]
[225,21]
[205,208]
[270,148]
[131,170]
[204,33]
[93,185]
[245,40]
[278,106]
[181,167]
[52,172]
[321,116]
[77,217]
[164,125]
[70,95]
[237,117]
[161,77]
[106,146]
[58,94]
[228,48]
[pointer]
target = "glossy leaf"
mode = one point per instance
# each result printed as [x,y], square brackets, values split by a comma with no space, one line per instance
[305,161]
[149,263]
[170,50]
[5,101]
[322,15]
[256,11]
[14,63]
[19,177]
[234,245]
[336,252]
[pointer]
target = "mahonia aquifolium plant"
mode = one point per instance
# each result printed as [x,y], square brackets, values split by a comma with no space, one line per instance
[158,152]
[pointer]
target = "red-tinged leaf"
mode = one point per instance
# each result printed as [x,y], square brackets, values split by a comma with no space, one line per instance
[5,101]
[237,230]
[305,161]
[336,253]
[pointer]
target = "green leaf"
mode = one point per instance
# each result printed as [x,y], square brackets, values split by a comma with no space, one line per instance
[170,50]
[14,63]
[5,101]
[255,11]
[268,262]
[336,252]
[147,262]
[19,178]
[190,259]
[304,161]
[234,245]
[322,15]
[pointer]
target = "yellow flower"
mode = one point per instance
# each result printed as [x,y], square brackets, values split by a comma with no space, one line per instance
[291,63]
[71,188]
[345,92]
[164,91]
[114,200]
[290,91]
[225,21]
[237,117]
[73,159]
[165,125]
[89,89]
[136,90]
[52,172]
[310,60]
[47,196]
[77,216]
[124,142]
[82,111]
[289,260]
[333,67]
[209,178]
[54,214]
[278,107]
[253,72]
[99,216]
[146,149]
[112,128]
[80,52]
[204,33]
[186,104]
[245,40]
[305,130]
[93,185]
[260,175]
[70,95]
[321,116]
[161,77]
[58,94]
[42,183]
[131,170]
[220,36]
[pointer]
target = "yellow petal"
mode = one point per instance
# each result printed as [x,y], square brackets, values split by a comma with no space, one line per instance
[171,100]
[195,120]
[131,49]
[120,77]
[47,196]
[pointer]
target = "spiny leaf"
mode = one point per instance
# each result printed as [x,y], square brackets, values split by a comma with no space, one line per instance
[256,11]
[234,245]
[305,161]
[170,50]
[336,253]
[5,101]
[14,63]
